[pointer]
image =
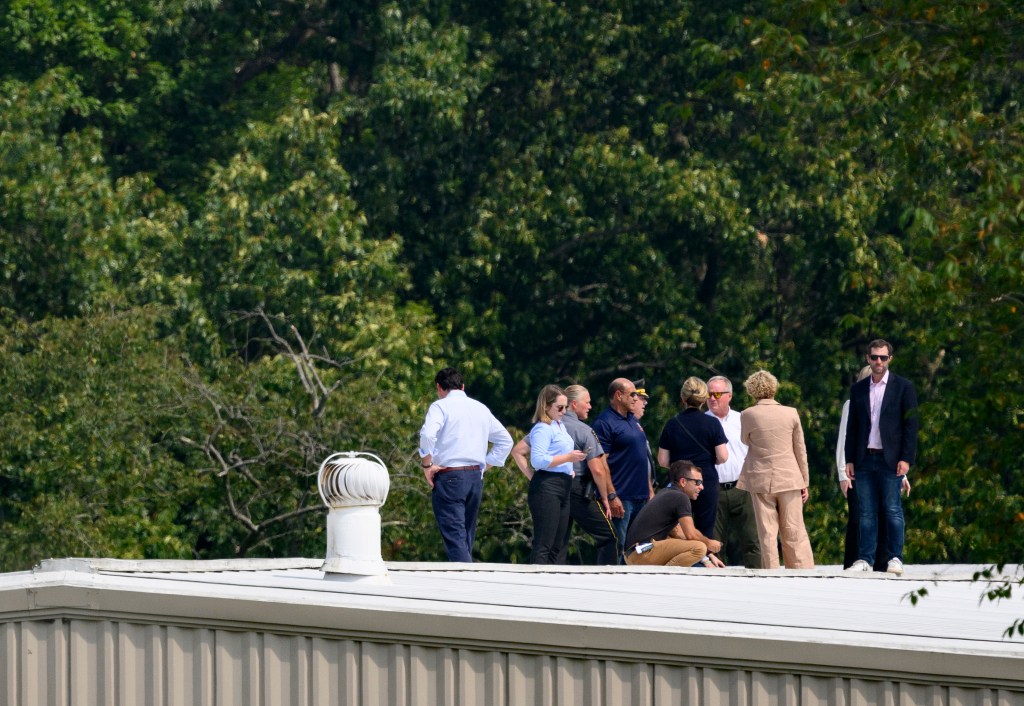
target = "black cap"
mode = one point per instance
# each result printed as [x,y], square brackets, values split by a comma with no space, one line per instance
[641,388]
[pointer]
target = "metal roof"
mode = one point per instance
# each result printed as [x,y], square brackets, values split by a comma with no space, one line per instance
[821,620]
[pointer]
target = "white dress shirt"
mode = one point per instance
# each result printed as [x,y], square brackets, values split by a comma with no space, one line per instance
[457,431]
[729,472]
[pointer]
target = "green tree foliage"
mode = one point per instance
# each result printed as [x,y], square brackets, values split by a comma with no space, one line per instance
[264,426]
[88,461]
[534,192]
[70,235]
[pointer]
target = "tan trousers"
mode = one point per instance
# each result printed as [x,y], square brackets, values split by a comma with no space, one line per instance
[670,552]
[781,516]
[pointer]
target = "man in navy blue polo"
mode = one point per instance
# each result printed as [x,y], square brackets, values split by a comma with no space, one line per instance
[626,445]
[454,453]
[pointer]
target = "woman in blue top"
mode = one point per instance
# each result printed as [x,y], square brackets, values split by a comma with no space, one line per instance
[552,454]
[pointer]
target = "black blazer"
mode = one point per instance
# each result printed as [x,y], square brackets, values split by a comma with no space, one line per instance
[897,422]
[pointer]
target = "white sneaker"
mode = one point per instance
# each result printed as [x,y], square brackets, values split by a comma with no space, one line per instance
[860,565]
[895,567]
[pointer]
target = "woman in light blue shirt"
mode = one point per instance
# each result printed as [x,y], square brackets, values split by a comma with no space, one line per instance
[552,453]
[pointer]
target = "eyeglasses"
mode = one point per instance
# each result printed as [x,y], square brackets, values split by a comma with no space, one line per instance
[696,481]
[560,408]
[882,358]
[717,395]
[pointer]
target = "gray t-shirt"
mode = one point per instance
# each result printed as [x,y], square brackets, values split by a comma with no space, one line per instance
[583,439]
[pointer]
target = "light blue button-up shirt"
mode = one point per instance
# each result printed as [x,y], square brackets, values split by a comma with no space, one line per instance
[548,440]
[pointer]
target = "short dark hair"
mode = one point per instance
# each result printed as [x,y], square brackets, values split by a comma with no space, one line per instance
[880,343]
[616,385]
[449,379]
[681,469]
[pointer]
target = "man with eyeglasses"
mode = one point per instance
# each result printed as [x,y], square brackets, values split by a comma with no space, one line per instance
[663,533]
[626,445]
[454,454]
[735,526]
[881,445]
[639,408]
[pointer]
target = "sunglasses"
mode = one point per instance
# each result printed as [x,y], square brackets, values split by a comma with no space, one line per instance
[882,358]
[696,481]
[717,395]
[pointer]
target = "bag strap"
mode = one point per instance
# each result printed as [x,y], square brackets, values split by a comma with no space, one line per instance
[690,433]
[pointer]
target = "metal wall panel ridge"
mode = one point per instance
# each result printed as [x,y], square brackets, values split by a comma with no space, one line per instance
[81,662]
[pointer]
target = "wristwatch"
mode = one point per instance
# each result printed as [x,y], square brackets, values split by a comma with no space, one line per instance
[612,496]
[426,465]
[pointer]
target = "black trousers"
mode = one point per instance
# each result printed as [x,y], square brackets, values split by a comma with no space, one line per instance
[705,507]
[853,533]
[587,513]
[548,498]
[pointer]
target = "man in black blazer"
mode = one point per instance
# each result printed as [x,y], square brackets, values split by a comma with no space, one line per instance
[881,445]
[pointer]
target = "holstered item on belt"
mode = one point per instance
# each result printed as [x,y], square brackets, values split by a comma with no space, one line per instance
[584,485]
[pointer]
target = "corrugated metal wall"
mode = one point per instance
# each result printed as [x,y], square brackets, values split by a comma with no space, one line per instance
[108,663]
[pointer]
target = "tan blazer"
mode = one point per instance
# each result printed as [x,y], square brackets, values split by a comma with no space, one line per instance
[777,458]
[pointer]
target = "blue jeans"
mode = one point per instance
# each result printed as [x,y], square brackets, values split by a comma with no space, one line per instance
[456,500]
[621,524]
[878,494]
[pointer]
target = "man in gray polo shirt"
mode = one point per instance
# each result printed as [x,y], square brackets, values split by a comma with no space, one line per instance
[592,502]
[735,527]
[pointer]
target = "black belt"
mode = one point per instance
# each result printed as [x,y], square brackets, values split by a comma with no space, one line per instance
[727,486]
[875,452]
[458,468]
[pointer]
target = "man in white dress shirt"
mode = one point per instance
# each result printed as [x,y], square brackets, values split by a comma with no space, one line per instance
[454,455]
[735,527]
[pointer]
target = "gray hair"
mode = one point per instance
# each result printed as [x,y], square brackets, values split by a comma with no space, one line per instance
[721,378]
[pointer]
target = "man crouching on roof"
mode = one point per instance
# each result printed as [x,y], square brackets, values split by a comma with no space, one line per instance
[663,534]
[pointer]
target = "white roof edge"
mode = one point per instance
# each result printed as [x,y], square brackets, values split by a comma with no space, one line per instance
[919,572]
[95,565]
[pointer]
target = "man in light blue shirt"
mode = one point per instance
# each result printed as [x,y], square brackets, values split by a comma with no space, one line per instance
[454,454]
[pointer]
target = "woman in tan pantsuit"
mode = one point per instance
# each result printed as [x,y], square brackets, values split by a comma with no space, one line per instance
[775,474]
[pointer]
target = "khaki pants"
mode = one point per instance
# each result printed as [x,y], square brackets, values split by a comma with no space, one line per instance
[781,516]
[669,552]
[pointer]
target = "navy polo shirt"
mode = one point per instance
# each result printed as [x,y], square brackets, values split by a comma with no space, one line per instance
[626,445]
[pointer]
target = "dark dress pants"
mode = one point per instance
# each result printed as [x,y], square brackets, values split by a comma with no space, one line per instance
[736,529]
[587,513]
[548,498]
[705,507]
[456,500]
